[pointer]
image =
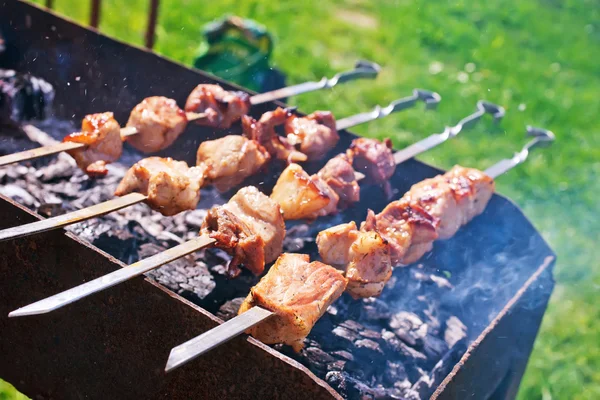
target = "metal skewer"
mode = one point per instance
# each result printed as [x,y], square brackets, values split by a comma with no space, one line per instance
[212,338]
[483,107]
[114,278]
[111,279]
[61,221]
[66,146]
[362,70]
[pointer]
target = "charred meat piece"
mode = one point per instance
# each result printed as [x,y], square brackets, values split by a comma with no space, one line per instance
[101,134]
[298,292]
[250,227]
[315,134]
[402,226]
[454,198]
[159,121]
[171,186]
[222,107]
[364,255]
[340,176]
[263,131]
[231,159]
[374,159]
[302,196]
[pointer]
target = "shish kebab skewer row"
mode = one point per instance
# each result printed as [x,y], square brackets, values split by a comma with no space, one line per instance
[224,162]
[240,237]
[156,122]
[288,301]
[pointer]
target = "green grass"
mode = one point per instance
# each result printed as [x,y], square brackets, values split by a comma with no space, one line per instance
[537,58]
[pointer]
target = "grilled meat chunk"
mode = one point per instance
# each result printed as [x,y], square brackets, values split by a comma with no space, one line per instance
[298,292]
[222,107]
[454,198]
[159,121]
[302,196]
[315,134]
[231,159]
[101,134]
[340,176]
[402,226]
[171,186]
[250,227]
[374,159]
[263,131]
[364,255]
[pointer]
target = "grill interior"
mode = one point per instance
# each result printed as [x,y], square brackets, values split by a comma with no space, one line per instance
[400,345]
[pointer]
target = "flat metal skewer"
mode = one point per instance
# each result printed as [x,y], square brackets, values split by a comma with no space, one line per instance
[483,107]
[212,338]
[69,296]
[66,146]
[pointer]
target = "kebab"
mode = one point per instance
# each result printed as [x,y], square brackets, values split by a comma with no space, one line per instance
[156,122]
[223,176]
[250,227]
[287,302]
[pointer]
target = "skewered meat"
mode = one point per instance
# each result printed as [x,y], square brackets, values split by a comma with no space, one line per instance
[101,134]
[340,176]
[231,159]
[250,227]
[222,107]
[298,292]
[171,186]
[454,198]
[402,225]
[263,131]
[302,196]
[364,255]
[374,159]
[159,121]
[316,133]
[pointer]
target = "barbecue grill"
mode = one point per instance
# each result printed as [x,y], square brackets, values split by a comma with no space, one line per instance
[115,343]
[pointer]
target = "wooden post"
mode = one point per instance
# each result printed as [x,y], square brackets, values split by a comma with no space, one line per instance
[95,13]
[151,29]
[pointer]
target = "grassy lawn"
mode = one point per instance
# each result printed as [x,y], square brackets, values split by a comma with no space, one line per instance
[538,58]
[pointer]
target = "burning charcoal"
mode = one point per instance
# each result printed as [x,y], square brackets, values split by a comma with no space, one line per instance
[375,310]
[368,347]
[230,308]
[351,388]
[194,218]
[370,334]
[455,331]
[394,372]
[441,281]
[337,365]
[434,347]
[23,97]
[345,334]
[401,349]
[409,327]
[51,209]
[344,355]
[317,358]
[19,194]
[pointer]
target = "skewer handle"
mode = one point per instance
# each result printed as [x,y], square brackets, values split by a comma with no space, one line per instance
[114,278]
[362,70]
[72,217]
[199,345]
[431,99]
[39,152]
[541,137]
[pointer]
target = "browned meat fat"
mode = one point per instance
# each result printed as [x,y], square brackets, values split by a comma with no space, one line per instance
[222,107]
[263,131]
[250,227]
[373,158]
[298,292]
[302,196]
[231,159]
[171,186]
[314,135]
[340,176]
[159,121]
[101,134]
